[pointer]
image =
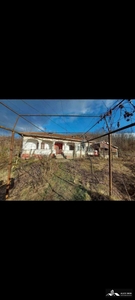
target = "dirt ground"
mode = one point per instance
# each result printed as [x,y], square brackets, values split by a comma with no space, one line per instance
[84,179]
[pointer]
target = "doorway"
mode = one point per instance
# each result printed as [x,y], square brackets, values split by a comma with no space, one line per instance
[58,147]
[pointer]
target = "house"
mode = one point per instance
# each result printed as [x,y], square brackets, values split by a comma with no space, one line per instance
[91,150]
[58,145]
[102,149]
[43,143]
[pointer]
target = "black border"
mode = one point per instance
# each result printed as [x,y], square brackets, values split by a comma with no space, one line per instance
[93,240]
[89,239]
[27,81]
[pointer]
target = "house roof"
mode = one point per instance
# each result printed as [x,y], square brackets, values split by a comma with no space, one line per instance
[111,145]
[105,145]
[52,135]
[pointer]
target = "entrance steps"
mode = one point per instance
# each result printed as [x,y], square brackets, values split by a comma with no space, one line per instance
[59,156]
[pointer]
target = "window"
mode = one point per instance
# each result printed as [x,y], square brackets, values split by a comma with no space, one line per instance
[37,145]
[71,147]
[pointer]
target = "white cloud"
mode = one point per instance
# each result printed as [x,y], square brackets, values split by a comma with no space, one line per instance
[109,102]
[78,106]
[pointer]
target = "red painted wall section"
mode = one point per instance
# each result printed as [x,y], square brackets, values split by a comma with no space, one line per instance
[58,145]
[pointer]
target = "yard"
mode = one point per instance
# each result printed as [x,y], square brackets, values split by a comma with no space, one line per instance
[75,180]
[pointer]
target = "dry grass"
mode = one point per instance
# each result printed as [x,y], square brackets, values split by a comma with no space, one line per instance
[61,180]
[68,180]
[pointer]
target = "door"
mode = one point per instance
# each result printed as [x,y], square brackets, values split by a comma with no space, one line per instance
[58,148]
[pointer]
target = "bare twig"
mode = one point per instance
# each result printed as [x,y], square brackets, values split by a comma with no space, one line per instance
[126,189]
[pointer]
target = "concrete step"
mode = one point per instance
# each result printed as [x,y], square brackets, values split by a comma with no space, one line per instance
[59,156]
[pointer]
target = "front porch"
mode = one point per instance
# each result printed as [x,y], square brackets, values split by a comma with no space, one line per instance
[39,147]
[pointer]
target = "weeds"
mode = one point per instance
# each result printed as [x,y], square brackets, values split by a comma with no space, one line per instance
[82,179]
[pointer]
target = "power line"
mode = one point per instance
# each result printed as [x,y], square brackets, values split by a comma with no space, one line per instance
[59,115]
[92,120]
[103,117]
[42,115]
[15,105]
[55,122]
[21,116]
[105,114]
[93,125]
[63,112]
[54,110]
[30,106]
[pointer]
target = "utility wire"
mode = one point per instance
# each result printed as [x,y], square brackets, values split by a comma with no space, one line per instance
[53,120]
[55,111]
[63,112]
[63,116]
[21,116]
[41,114]
[105,114]
[30,105]
[15,105]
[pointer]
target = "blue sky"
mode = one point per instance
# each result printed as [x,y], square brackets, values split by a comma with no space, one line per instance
[62,124]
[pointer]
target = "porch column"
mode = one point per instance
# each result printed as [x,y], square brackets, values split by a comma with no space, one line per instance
[64,146]
[74,151]
[76,147]
[53,143]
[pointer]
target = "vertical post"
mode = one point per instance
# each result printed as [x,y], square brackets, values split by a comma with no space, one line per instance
[74,150]
[10,164]
[20,146]
[110,166]
[10,158]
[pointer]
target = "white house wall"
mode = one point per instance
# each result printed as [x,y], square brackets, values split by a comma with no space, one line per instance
[30,144]
[66,147]
[29,147]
